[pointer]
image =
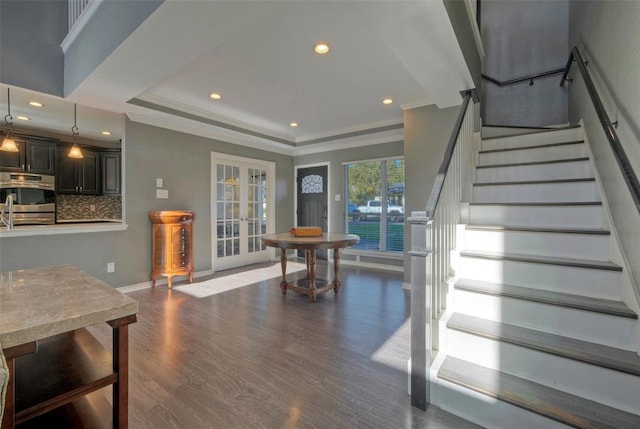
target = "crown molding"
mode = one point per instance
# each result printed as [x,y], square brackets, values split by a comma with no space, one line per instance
[212,132]
[339,134]
[181,107]
[389,136]
[417,103]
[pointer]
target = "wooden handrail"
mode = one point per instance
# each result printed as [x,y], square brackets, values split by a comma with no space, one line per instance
[432,202]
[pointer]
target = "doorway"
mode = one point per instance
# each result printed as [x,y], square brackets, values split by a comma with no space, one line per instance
[242,210]
[312,200]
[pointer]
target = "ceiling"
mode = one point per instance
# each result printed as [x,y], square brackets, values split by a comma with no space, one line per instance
[259,56]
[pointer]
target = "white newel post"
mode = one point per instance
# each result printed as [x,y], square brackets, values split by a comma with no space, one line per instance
[420,309]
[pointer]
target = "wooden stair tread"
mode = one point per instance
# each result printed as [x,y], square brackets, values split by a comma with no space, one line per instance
[519,164]
[550,260]
[554,404]
[537,130]
[537,182]
[580,302]
[537,229]
[538,146]
[542,204]
[570,348]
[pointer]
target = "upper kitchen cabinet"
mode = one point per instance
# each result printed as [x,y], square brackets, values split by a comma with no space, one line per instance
[78,176]
[110,166]
[34,156]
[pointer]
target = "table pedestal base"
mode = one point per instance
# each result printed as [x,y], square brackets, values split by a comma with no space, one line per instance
[310,286]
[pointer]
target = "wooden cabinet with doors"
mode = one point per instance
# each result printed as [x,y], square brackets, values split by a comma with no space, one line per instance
[110,165]
[78,176]
[35,155]
[171,244]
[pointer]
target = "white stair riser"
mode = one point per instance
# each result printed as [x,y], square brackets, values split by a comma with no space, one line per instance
[606,386]
[549,153]
[614,331]
[558,278]
[552,171]
[534,139]
[485,411]
[587,246]
[537,193]
[538,216]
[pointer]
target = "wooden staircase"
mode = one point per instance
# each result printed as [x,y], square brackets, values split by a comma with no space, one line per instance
[538,335]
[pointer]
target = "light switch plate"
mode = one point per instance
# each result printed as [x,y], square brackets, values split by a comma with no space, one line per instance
[162,193]
[337,197]
[159,182]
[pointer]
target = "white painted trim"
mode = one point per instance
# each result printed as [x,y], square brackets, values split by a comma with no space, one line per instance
[417,103]
[172,104]
[80,23]
[351,142]
[270,166]
[159,282]
[209,131]
[62,228]
[355,129]
[474,27]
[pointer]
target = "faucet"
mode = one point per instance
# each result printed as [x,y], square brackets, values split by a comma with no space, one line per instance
[8,204]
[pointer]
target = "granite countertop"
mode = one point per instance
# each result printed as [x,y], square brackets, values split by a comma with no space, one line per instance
[42,302]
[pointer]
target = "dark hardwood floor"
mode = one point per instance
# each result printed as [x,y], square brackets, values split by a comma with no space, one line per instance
[253,358]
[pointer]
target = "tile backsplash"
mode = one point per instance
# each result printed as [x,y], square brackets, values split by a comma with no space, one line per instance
[78,207]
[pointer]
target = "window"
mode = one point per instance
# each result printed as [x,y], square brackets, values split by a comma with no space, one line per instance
[374,204]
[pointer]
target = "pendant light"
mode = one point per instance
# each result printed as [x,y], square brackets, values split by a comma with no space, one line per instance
[75,151]
[8,143]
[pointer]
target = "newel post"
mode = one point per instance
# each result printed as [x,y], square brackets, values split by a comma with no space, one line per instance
[420,308]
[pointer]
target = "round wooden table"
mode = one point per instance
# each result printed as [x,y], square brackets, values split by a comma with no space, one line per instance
[310,286]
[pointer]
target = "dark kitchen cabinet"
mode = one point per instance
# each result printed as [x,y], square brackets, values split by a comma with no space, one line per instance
[78,176]
[110,165]
[34,156]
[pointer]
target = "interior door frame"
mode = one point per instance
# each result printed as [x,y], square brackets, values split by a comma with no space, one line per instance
[217,157]
[329,196]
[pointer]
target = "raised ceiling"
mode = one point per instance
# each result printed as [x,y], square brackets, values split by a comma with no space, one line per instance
[259,56]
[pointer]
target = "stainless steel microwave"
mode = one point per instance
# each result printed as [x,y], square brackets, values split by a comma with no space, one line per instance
[34,197]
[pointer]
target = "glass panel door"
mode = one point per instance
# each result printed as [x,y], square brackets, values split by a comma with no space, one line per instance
[241,213]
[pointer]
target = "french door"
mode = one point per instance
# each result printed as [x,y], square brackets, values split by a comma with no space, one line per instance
[242,210]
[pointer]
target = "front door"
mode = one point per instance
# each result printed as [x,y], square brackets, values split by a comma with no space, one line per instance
[242,212]
[312,195]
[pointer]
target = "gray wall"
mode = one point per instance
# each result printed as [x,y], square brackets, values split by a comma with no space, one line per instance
[607,35]
[184,162]
[426,134]
[459,17]
[108,28]
[30,37]
[524,38]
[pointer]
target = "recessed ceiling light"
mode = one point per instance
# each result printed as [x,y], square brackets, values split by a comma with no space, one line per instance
[106,133]
[293,124]
[215,96]
[36,104]
[387,101]
[321,48]
[23,118]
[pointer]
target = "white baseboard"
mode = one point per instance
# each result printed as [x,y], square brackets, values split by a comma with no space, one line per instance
[160,282]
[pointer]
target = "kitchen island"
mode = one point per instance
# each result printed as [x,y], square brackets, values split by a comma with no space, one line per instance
[56,367]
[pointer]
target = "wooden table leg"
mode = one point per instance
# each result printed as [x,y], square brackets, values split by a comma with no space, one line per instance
[336,269]
[283,265]
[9,416]
[312,275]
[121,367]
[306,261]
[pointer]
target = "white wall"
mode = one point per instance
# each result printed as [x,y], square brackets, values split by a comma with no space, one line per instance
[606,32]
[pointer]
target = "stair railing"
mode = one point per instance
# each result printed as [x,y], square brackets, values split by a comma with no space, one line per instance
[620,155]
[433,237]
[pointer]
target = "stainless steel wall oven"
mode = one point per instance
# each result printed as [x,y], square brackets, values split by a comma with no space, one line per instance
[34,197]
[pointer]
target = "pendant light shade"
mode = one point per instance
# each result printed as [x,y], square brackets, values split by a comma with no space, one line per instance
[8,143]
[75,151]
